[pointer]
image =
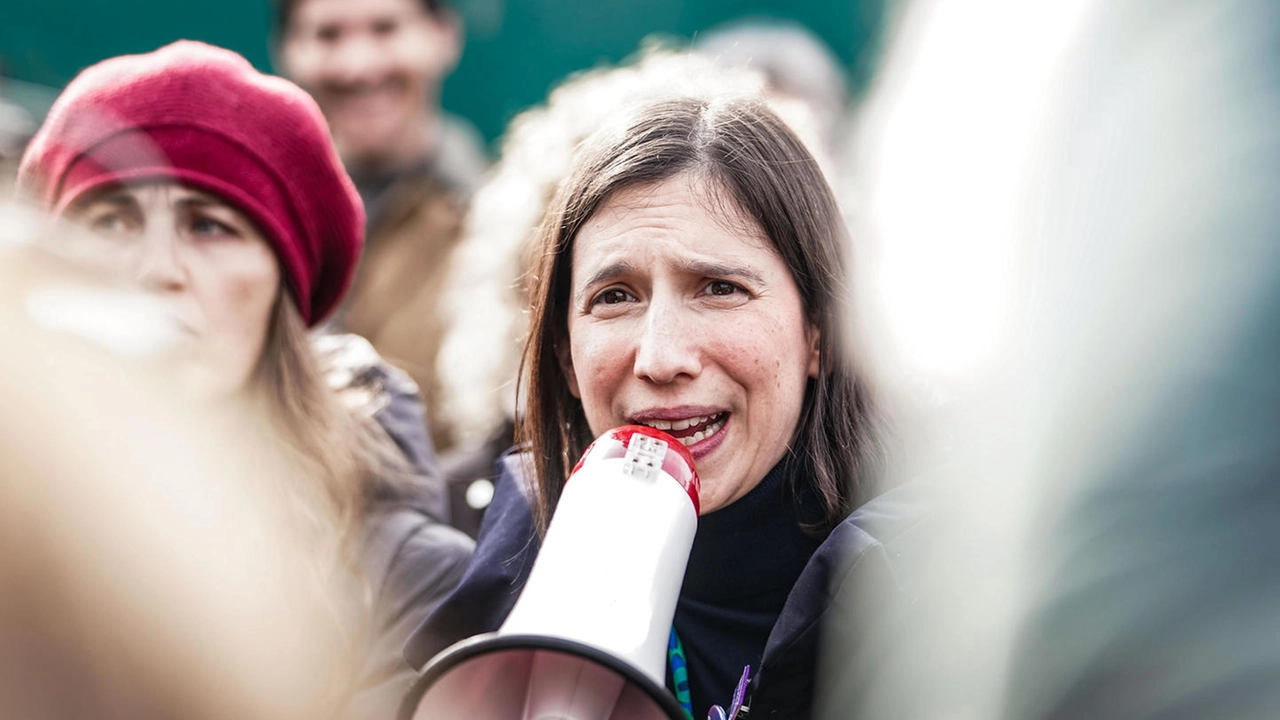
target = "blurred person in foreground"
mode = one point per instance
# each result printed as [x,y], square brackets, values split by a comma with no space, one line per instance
[485,302]
[688,277]
[1109,263]
[216,190]
[162,557]
[375,68]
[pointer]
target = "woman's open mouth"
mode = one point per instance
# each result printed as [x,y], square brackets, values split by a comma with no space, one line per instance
[691,431]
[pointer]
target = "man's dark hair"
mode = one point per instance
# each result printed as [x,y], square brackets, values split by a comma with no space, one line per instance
[286,8]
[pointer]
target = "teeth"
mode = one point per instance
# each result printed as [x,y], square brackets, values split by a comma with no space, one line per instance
[703,434]
[677,425]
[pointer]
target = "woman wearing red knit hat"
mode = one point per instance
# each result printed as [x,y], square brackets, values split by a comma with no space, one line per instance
[217,190]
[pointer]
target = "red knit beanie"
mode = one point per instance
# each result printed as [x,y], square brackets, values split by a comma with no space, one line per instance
[202,116]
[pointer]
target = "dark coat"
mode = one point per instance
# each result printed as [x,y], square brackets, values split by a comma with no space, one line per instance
[783,687]
[411,563]
[411,559]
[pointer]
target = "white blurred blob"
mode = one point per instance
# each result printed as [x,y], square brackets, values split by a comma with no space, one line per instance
[19,225]
[122,321]
[480,494]
[945,147]
[944,151]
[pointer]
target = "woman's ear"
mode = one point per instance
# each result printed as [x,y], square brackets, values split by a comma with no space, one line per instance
[566,366]
[815,351]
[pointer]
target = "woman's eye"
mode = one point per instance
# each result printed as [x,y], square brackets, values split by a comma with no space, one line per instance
[109,223]
[720,287]
[208,227]
[613,296]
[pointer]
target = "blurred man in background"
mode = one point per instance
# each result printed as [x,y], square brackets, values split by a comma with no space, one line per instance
[375,67]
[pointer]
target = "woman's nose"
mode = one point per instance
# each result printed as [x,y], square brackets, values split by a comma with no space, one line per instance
[157,264]
[668,346]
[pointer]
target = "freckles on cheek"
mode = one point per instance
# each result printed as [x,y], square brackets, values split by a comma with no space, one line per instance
[601,386]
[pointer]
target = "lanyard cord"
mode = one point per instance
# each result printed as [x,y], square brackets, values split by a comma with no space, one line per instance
[680,673]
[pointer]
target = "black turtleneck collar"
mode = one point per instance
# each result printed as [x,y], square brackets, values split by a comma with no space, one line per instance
[751,551]
[745,559]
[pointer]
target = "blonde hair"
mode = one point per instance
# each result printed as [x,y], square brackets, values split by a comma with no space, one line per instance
[342,447]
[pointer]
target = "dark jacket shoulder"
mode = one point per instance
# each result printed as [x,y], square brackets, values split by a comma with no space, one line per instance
[505,549]
[411,562]
[869,547]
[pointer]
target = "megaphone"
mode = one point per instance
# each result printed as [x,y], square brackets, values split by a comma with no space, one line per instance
[587,638]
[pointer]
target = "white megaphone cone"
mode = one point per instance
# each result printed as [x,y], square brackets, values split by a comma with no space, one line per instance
[587,639]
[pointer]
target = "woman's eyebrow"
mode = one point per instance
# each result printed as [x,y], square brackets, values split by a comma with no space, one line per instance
[118,198]
[721,270]
[197,201]
[222,211]
[608,272]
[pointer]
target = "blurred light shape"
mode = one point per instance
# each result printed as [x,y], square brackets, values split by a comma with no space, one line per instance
[479,494]
[947,153]
[124,322]
[19,225]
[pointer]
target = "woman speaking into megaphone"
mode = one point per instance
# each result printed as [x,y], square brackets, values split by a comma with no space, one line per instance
[689,278]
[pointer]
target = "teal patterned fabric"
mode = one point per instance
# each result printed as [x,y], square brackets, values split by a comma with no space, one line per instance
[679,674]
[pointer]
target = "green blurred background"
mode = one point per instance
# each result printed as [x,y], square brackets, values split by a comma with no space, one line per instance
[516,51]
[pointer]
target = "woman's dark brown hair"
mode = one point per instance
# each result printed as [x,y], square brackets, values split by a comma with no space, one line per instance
[745,155]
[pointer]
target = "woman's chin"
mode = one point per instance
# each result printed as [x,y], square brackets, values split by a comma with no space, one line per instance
[718,497]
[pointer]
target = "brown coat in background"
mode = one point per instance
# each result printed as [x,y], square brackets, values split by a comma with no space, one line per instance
[394,299]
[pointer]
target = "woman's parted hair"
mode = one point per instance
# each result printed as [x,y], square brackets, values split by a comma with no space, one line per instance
[741,149]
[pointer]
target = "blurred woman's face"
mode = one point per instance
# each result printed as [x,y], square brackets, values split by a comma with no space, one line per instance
[207,262]
[684,317]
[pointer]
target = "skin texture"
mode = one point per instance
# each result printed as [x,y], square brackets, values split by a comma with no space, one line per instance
[206,261]
[680,307]
[374,68]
